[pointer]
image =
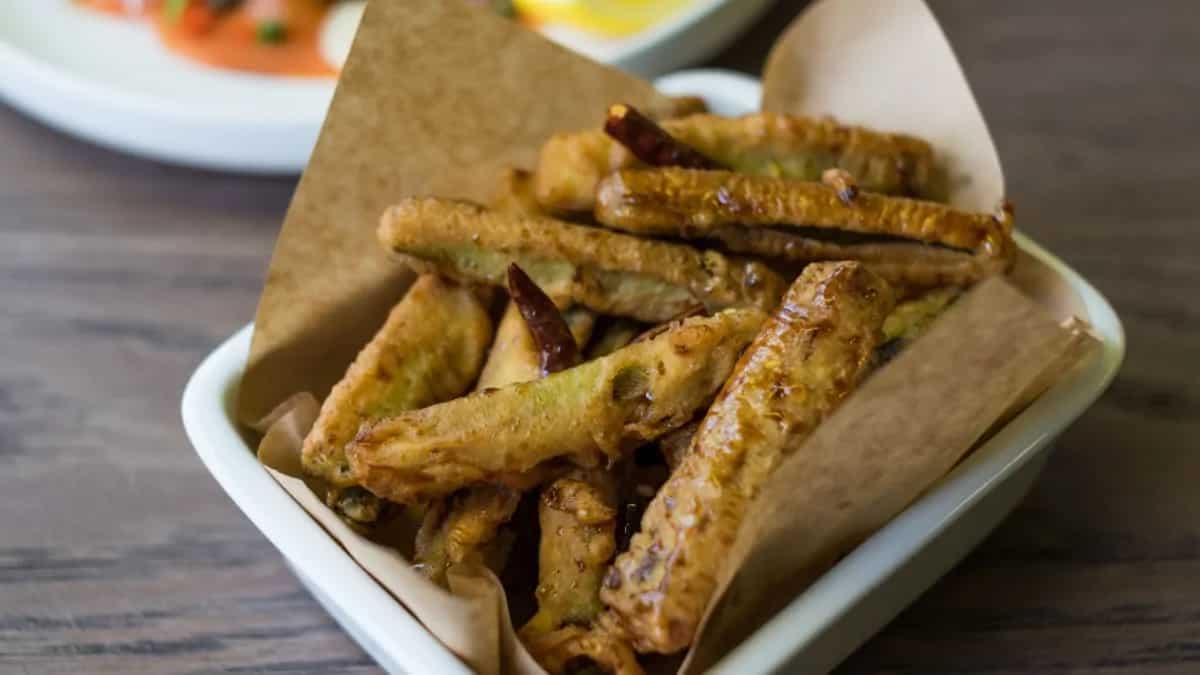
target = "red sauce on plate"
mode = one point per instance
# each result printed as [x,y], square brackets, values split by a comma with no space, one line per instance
[277,37]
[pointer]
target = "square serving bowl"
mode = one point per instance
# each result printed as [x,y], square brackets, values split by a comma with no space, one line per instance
[818,629]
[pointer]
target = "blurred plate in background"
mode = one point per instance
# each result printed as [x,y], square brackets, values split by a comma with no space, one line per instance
[110,81]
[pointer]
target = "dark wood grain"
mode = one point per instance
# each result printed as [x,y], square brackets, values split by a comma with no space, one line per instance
[118,553]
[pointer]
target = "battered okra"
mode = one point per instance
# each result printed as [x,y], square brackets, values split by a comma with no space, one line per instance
[578,517]
[429,349]
[809,356]
[767,144]
[919,241]
[589,414]
[466,526]
[607,272]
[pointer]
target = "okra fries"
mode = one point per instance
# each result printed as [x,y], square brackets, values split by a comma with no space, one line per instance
[607,272]
[429,350]
[809,355]
[657,359]
[589,414]
[765,144]
[806,221]
[464,528]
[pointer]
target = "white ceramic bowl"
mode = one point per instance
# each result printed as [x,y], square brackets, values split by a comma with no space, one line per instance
[812,634]
[109,81]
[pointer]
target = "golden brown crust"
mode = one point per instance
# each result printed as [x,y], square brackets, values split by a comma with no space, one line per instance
[465,526]
[683,202]
[571,165]
[807,358]
[429,349]
[913,266]
[590,414]
[578,517]
[780,218]
[608,272]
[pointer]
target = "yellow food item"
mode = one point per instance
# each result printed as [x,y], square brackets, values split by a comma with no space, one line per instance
[614,18]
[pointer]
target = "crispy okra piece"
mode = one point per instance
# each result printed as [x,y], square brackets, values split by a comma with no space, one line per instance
[466,526]
[805,221]
[429,349]
[590,414]
[578,517]
[607,272]
[809,356]
[572,164]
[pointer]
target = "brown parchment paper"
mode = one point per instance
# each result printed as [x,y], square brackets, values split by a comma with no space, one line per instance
[904,428]
[437,97]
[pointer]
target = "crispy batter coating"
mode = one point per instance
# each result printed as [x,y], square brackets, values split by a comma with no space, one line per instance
[571,165]
[590,414]
[578,517]
[807,358]
[429,349]
[565,649]
[605,271]
[805,221]
[465,526]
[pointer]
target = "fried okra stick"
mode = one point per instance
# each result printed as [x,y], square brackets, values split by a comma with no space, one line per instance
[589,414]
[578,516]
[465,526]
[800,220]
[767,144]
[810,354]
[429,349]
[607,272]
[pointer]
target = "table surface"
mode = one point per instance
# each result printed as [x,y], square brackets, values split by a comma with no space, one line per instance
[119,553]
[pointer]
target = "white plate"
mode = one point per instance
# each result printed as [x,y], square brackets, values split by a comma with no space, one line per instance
[110,81]
[812,634]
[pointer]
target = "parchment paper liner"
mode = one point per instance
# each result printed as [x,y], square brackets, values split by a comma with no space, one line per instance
[436,98]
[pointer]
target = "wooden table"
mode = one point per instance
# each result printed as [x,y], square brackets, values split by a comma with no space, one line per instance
[118,553]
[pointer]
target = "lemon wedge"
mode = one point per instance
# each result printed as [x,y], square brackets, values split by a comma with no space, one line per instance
[614,18]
